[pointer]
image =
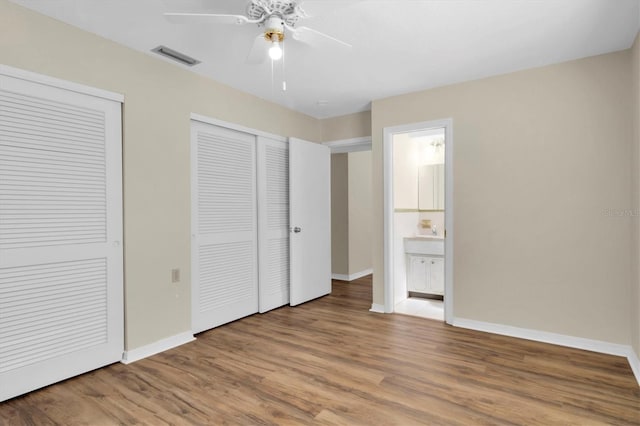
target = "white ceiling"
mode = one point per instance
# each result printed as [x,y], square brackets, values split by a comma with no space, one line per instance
[399,46]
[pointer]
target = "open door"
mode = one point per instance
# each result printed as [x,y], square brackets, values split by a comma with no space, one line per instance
[309,220]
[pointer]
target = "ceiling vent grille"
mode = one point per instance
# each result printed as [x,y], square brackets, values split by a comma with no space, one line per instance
[176,56]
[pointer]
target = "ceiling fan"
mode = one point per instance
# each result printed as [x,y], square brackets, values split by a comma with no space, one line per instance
[276,18]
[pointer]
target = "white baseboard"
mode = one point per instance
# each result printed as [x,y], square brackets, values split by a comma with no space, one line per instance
[379,309]
[352,277]
[340,277]
[555,339]
[634,362]
[137,354]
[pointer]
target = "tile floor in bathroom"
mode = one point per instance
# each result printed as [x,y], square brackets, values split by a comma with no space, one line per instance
[418,307]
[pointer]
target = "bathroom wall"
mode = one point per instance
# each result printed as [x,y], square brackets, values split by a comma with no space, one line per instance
[405,224]
[437,222]
[405,172]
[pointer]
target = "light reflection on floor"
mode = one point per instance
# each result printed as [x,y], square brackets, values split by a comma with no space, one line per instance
[425,308]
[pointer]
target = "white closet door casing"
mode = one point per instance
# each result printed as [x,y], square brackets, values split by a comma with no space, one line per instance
[273,222]
[310,213]
[61,296]
[224,247]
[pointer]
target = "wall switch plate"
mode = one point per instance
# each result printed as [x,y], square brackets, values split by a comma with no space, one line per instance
[175,275]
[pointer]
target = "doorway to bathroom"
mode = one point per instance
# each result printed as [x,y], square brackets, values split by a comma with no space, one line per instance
[418,182]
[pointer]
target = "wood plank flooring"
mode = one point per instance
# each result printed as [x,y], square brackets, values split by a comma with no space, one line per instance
[332,362]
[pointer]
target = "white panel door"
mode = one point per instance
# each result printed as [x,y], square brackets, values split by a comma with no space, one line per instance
[310,220]
[224,246]
[273,222]
[61,296]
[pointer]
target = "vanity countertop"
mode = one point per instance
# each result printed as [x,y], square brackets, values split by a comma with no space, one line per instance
[427,244]
[425,238]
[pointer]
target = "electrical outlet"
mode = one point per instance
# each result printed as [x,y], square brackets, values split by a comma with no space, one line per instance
[175,275]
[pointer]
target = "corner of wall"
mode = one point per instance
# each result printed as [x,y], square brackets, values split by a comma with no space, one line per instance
[635,199]
[348,126]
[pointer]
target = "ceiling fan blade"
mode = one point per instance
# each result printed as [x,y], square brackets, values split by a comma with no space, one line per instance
[209,18]
[258,52]
[310,36]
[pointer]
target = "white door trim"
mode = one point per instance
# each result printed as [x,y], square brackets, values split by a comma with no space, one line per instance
[234,126]
[58,83]
[349,145]
[387,152]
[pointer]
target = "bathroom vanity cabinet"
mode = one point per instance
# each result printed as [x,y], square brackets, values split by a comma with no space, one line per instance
[425,274]
[425,264]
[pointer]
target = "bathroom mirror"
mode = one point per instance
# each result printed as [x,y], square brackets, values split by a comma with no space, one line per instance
[431,187]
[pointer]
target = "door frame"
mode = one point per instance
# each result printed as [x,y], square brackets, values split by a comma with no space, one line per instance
[387,153]
[233,126]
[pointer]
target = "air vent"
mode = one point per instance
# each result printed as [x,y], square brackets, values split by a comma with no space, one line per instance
[176,56]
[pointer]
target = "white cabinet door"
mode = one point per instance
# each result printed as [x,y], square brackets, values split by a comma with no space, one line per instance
[310,219]
[224,246]
[273,222]
[436,275]
[61,295]
[418,276]
[426,274]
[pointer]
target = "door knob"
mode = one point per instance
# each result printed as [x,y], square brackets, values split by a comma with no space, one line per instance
[297,229]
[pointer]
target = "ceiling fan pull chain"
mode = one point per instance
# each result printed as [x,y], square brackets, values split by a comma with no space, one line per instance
[284,75]
[272,80]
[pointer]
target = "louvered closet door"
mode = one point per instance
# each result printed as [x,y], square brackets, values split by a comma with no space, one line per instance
[61,302]
[273,222]
[224,249]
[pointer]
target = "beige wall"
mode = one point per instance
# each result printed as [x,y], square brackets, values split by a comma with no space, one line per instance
[158,100]
[348,237]
[635,200]
[351,215]
[350,126]
[339,214]
[360,214]
[539,156]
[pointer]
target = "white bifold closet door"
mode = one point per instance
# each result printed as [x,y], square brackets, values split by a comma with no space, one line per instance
[240,224]
[224,226]
[61,296]
[273,222]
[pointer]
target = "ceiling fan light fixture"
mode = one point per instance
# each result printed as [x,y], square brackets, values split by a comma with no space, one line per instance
[275,51]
